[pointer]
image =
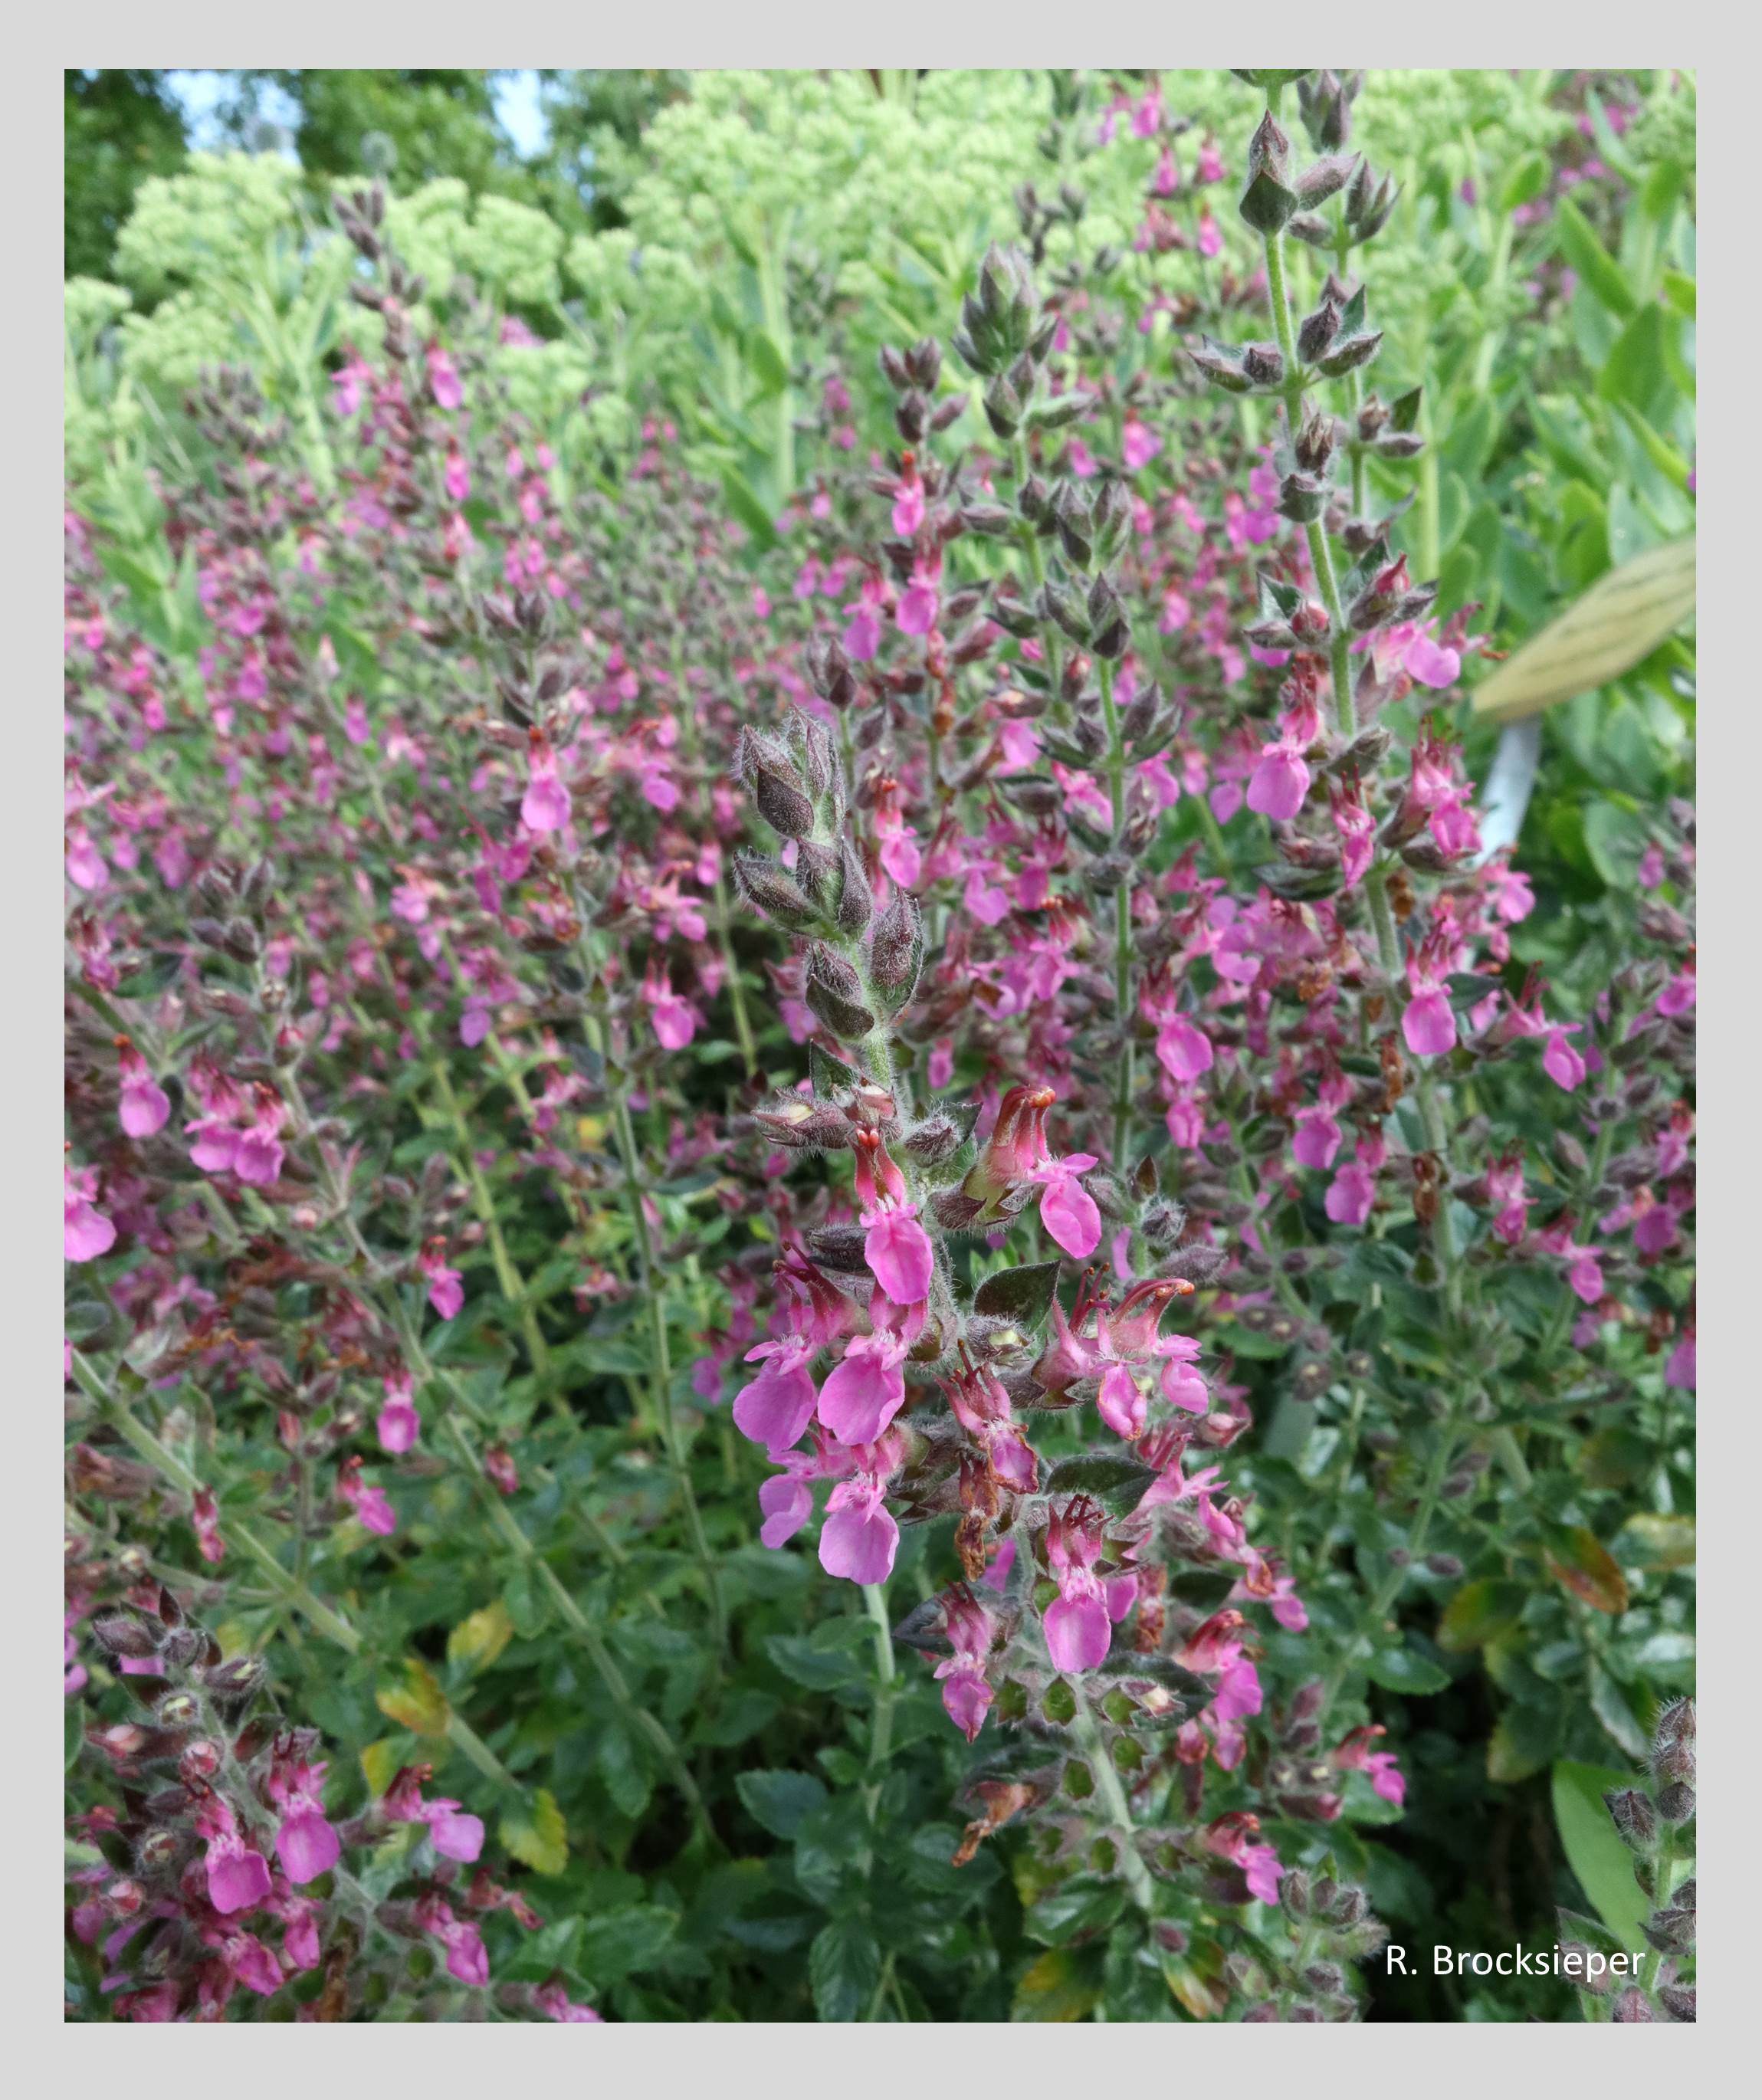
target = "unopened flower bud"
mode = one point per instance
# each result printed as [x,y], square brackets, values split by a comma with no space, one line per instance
[1632,1814]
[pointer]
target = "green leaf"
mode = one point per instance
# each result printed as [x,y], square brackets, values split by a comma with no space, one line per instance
[536,1833]
[779,1800]
[1405,1669]
[1610,1705]
[844,1966]
[527,1606]
[1597,269]
[1594,1848]
[743,501]
[1478,1612]
[1113,1480]
[616,1943]
[819,1668]
[1524,183]
[1023,1295]
[620,1766]
[767,363]
[1082,1906]
[737,1720]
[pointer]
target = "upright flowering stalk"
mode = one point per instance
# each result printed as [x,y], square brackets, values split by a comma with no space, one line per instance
[925,1388]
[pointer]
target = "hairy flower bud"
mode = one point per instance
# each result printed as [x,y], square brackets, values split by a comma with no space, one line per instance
[774,893]
[896,953]
[1632,1814]
[834,993]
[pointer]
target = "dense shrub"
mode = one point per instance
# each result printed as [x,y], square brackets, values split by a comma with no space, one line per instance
[845,894]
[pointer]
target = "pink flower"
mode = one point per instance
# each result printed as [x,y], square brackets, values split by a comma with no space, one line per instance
[145,1106]
[1428,1023]
[467,1962]
[399,1424]
[908,508]
[1350,1194]
[867,1390]
[1078,1626]
[86,1231]
[920,602]
[238,1878]
[966,1693]
[777,1406]
[545,806]
[1067,1209]
[786,1502]
[1562,1064]
[1279,782]
[899,1254]
[442,380]
[1210,239]
[446,1291]
[1138,444]
[1183,1050]
[1356,1754]
[896,1247]
[859,1538]
[1317,1138]
[368,1502]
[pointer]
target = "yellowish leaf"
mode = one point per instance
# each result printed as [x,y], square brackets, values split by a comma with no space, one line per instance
[417,1703]
[536,1833]
[1056,1987]
[1620,620]
[480,1638]
[380,1761]
[1647,1540]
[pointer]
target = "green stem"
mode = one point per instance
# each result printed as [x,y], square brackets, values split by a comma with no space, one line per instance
[662,1377]
[1112,1795]
[880,1734]
[1346,716]
[1116,789]
[317,1613]
[1662,1863]
[512,1283]
[637,1717]
[1376,1609]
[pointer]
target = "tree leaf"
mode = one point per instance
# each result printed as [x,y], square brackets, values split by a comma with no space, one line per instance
[1594,1848]
[536,1833]
[1620,620]
[779,1800]
[844,1966]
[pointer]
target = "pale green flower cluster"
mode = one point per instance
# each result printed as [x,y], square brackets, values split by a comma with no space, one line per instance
[751,200]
